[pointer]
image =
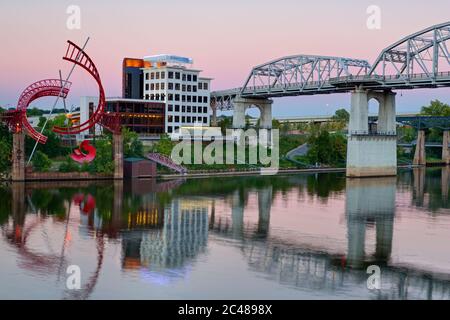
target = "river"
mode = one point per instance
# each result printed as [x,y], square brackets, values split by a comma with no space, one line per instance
[298,236]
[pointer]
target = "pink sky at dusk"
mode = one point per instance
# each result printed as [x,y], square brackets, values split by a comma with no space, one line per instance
[225,39]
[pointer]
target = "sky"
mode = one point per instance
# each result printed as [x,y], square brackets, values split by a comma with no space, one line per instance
[224,38]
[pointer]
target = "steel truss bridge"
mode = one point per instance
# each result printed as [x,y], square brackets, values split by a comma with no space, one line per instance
[420,60]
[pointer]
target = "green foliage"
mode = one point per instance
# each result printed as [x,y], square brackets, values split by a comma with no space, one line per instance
[34,112]
[436,108]
[41,162]
[225,123]
[69,165]
[53,147]
[327,149]
[5,149]
[103,162]
[164,145]
[132,146]
[341,115]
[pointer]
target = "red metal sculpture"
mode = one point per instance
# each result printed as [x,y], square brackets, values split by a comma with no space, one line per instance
[87,156]
[17,119]
[77,56]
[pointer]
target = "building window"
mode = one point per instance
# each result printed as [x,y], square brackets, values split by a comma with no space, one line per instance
[183,98]
[152,75]
[170,97]
[177,118]
[189,119]
[183,108]
[152,97]
[170,107]
[177,86]
[170,86]
[194,109]
[194,88]
[205,120]
[194,77]
[162,86]
[169,118]
[177,75]
[189,88]
[157,86]
[163,75]
[188,108]
[177,108]
[200,86]
[194,98]
[205,86]
[170,75]
[157,75]
[163,96]
[183,77]
[152,86]
[146,76]
[205,109]
[183,119]
[205,99]
[183,88]
[188,98]
[177,97]
[157,96]
[146,86]
[189,77]
[169,129]
[146,96]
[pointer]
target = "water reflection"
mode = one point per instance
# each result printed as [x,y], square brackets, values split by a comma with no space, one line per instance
[289,230]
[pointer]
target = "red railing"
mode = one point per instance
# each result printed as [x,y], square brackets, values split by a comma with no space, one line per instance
[166,161]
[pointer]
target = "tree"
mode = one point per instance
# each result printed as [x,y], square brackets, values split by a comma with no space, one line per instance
[341,115]
[436,108]
[164,145]
[132,146]
[5,149]
[34,112]
[41,162]
[326,148]
[224,124]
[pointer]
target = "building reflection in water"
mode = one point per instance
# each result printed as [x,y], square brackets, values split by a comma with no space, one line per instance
[163,229]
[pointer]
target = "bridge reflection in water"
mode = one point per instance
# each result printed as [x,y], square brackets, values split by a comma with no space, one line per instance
[163,228]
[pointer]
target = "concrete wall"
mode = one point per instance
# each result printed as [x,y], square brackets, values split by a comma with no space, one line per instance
[371,156]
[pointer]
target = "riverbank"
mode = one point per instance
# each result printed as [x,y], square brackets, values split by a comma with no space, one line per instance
[83,176]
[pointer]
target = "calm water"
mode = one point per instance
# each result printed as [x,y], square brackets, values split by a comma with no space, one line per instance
[284,237]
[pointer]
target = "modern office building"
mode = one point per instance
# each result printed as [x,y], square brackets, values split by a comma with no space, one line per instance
[185,94]
[141,116]
[133,78]
[160,94]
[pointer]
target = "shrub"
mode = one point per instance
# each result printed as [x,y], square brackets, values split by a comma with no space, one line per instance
[69,165]
[41,162]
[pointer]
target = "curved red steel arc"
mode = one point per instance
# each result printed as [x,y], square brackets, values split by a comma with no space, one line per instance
[38,89]
[77,56]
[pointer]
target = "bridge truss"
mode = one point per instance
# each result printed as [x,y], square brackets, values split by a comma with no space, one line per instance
[420,60]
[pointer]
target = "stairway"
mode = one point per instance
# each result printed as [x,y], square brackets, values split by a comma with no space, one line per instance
[166,161]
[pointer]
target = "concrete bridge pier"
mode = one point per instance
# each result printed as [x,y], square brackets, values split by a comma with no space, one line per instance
[445,148]
[420,155]
[118,155]
[372,153]
[18,157]
[242,104]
